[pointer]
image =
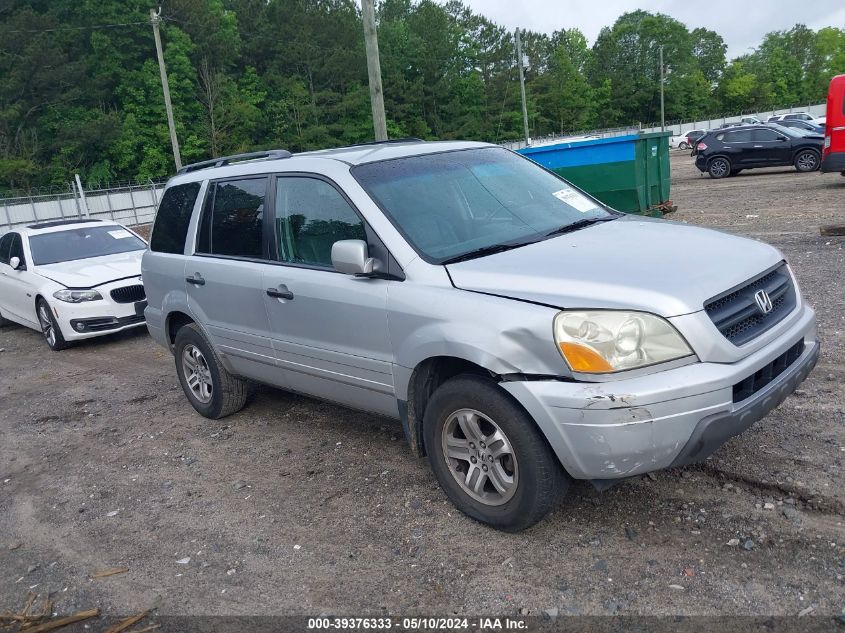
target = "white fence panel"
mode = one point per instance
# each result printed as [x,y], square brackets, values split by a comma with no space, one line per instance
[128,205]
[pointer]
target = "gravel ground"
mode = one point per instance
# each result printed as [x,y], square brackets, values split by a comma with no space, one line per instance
[298,507]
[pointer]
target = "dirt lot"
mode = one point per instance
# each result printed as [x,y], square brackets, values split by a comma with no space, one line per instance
[298,507]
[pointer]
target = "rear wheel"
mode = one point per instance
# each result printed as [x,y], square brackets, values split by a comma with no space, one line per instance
[807,160]
[49,328]
[489,456]
[683,145]
[719,168]
[211,390]
[3,322]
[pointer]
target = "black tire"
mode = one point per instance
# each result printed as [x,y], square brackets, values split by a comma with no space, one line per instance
[807,160]
[683,145]
[228,393]
[4,322]
[719,167]
[52,332]
[541,481]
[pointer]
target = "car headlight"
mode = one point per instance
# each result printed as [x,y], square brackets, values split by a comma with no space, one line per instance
[604,341]
[77,296]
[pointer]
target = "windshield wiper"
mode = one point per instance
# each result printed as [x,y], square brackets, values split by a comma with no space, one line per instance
[485,250]
[580,224]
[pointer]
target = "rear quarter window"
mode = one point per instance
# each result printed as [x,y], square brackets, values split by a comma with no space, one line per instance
[173,217]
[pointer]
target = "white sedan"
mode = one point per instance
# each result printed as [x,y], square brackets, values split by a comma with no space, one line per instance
[678,142]
[72,279]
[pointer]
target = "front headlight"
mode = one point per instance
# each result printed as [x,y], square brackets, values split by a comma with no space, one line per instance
[604,341]
[77,296]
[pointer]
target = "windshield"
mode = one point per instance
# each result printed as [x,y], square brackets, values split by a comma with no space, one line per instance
[91,241]
[455,203]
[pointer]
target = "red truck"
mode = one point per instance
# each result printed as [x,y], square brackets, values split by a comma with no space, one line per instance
[833,155]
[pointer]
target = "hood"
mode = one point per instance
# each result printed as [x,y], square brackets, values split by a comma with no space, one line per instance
[88,273]
[631,263]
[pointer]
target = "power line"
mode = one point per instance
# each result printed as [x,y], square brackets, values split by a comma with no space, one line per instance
[76,28]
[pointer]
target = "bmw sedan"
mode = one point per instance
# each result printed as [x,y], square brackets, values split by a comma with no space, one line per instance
[72,279]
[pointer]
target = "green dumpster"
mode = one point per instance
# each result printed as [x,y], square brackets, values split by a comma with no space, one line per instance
[629,173]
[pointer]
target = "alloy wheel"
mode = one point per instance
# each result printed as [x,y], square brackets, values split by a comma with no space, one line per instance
[807,161]
[480,457]
[719,168]
[197,374]
[46,325]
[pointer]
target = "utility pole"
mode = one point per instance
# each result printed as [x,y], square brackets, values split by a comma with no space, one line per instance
[662,110]
[177,157]
[374,69]
[520,63]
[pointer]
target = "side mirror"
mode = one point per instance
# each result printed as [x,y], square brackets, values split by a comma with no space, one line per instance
[350,257]
[782,138]
[15,263]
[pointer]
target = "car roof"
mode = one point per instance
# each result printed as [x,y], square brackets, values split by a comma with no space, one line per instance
[56,226]
[349,156]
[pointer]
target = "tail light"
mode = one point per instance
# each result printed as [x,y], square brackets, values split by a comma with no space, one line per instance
[700,147]
[827,141]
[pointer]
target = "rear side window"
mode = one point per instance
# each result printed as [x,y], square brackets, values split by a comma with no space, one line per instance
[233,219]
[173,218]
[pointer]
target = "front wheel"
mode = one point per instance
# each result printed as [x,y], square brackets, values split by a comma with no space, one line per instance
[807,160]
[683,145]
[49,327]
[211,390]
[489,456]
[719,168]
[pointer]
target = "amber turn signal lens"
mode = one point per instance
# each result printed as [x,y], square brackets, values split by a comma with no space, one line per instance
[581,358]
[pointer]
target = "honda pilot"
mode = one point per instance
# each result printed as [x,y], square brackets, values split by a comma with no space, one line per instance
[523,333]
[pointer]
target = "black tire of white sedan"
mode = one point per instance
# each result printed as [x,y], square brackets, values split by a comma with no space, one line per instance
[4,322]
[49,328]
[489,456]
[719,168]
[807,160]
[211,390]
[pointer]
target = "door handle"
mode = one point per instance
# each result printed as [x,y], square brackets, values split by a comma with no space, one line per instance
[197,280]
[281,292]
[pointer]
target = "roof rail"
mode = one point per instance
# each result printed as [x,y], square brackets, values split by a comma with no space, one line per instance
[269,154]
[406,139]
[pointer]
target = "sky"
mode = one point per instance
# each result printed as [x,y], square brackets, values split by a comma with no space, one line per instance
[742,23]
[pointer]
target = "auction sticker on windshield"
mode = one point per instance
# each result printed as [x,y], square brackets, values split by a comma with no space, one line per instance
[575,200]
[120,234]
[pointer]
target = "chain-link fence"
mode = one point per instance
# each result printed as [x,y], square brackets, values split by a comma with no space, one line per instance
[131,204]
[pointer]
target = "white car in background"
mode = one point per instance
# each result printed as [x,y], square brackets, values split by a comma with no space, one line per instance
[72,279]
[678,142]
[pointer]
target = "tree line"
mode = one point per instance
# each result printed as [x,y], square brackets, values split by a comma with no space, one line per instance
[80,90]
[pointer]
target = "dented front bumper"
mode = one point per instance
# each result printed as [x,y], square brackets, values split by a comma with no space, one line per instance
[626,427]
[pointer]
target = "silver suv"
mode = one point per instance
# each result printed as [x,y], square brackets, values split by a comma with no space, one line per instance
[524,334]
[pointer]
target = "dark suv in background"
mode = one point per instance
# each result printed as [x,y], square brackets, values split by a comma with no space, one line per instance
[727,152]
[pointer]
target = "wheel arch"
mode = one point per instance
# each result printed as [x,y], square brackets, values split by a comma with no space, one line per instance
[173,322]
[424,380]
[815,151]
